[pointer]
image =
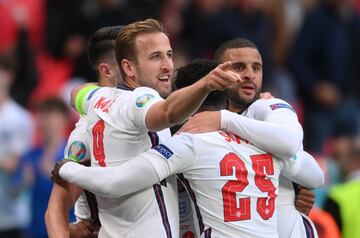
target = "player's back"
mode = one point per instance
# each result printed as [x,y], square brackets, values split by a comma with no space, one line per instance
[235,185]
[291,223]
[117,131]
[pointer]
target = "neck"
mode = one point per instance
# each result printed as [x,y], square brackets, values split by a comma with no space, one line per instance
[131,83]
[236,108]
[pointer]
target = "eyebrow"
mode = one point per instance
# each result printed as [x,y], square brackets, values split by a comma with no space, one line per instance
[159,52]
[238,63]
[243,63]
[258,64]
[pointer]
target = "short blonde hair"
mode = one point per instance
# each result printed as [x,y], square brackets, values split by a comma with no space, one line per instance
[125,41]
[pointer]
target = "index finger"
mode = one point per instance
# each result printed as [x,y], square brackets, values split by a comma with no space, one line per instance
[225,66]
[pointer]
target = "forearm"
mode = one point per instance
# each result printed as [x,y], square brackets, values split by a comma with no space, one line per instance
[306,171]
[178,106]
[130,177]
[61,200]
[280,139]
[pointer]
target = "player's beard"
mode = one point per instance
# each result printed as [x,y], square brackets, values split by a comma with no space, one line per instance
[241,102]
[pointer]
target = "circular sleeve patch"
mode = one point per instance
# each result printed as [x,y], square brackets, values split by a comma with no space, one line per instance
[143,99]
[77,151]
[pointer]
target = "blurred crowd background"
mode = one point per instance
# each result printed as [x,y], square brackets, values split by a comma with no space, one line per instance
[311,58]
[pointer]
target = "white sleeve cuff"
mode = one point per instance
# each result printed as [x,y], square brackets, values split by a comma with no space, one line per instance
[68,170]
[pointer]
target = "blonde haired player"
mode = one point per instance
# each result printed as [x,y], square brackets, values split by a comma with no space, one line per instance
[234,182]
[121,121]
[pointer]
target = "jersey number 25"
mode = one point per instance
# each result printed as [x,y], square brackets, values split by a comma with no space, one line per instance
[266,205]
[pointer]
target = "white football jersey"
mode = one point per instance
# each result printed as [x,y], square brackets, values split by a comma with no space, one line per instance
[77,136]
[235,183]
[116,126]
[291,225]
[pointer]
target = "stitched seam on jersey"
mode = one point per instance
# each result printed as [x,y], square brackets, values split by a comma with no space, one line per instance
[154,138]
[208,233]
[160,200]
[308,228]
[186,183]
[93,206]
[124,87]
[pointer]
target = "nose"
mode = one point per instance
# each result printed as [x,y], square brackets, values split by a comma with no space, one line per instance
[167,64]
[248,73]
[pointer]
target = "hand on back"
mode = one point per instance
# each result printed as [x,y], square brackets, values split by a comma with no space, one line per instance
[202,122]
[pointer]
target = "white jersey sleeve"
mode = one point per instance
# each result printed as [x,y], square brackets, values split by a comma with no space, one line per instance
[178,154]
[138,173]
[304,170]
[139,104]
[123,108]
[77,146]
[270,124]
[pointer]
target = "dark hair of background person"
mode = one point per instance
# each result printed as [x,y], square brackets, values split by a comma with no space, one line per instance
[233,44]
[191,73]
[102,45]
[53,104]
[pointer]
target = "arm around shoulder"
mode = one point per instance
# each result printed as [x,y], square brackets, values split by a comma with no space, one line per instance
[176,108]
[279,135]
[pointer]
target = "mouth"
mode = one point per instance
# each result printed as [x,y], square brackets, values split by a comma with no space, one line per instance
[248,88]
[164,78]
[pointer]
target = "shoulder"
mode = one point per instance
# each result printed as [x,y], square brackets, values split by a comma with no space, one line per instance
[270,104]
[199,138]
[145,90]
[143,95]
[267,102]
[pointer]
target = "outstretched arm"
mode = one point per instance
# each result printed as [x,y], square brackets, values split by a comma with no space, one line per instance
[134,175]
[138,173]
[184,102]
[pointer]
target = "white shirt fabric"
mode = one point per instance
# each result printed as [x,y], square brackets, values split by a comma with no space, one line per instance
[279,133]
[16,131]
[213,163]
[79,134]
[117,131]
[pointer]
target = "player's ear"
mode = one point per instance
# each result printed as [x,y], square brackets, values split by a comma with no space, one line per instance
[105,70]
[128,67]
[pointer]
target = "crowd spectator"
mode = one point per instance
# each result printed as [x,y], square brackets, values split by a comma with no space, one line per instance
[52,114]
[16,127]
